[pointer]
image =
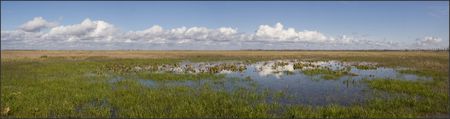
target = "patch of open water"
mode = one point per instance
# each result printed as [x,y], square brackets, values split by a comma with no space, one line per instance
[286,76]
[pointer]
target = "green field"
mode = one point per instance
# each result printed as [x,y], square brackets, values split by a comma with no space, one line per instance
[110,84]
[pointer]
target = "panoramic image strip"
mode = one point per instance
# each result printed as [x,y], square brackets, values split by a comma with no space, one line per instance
[224,59]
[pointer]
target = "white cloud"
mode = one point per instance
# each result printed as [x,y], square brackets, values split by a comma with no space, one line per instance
[19,35]
[279,34]
[97,34]
[156,34]
[428,40]
[37,24]
[86,30]
[347,39]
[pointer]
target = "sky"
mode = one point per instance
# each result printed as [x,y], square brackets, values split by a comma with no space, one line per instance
[223,25]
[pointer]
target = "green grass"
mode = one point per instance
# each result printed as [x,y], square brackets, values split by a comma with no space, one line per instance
[375,108]
[43,89]
[365,67]
[184,76]
[138,101]
[230,67]
[302,65]
[423,88]
[437,75]
[63,87]
[418,97]
[407,99]
[327,73]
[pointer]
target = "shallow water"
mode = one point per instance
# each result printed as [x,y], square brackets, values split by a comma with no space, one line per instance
[283,77]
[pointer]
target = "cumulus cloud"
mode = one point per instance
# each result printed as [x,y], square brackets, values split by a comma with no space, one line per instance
[19,35]
[428,40]
[37,24]
[98,34]
[156,34]
[279,34]
[86,30]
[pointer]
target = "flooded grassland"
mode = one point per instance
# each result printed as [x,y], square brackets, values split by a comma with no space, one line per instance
[224,84]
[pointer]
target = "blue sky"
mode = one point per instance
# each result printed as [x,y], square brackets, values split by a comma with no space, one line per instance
[419,23]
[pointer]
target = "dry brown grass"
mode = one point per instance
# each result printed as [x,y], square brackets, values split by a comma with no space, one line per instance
[176,54]
[420,59]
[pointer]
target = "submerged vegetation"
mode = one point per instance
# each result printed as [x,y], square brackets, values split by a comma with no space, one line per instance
[86,84]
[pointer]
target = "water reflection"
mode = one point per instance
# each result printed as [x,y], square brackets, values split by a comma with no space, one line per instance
[287,77]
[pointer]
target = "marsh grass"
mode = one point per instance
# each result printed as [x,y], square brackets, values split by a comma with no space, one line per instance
[327,73]
[182,101]
[365,67]
[62,90]
[301,65]
[184,76]
[38,89]
[57,86]
[229,67]
[426,73]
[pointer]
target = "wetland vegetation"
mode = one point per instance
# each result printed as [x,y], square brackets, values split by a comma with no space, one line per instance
[289,84]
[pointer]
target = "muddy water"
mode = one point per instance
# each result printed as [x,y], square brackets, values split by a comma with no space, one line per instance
[283,76]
